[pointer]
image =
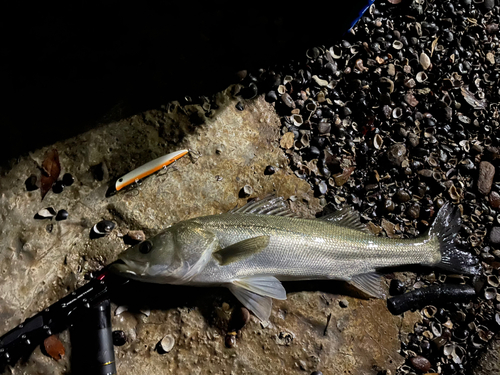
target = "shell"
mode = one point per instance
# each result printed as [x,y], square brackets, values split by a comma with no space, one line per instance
[493,281]
[378,141]
[167,343]
[103,227]
[490,292]
[421,77]
[429,311]
[45,213]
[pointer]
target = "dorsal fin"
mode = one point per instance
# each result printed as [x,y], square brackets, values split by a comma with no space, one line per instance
[346,217]
[269,205]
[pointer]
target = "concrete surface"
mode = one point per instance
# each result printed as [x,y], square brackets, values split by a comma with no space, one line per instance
[230,149]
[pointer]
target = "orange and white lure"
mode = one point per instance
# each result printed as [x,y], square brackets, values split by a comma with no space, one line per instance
[148,168]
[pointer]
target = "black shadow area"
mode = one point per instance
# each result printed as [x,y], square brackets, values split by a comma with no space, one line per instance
[66,68]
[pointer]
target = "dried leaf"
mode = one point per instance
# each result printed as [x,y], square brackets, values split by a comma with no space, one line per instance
[50,173]
[54,347]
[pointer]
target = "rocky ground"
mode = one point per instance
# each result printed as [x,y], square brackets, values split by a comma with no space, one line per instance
[394,120]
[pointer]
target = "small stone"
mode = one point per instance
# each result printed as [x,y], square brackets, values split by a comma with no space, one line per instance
[410,99]
[136,235]
[230,340]
[316,373]
[271,96]
[269,170]
[413,139]
[324,127]
[68,179]
[344,303]
[239,106]
[30,183]
[413,211]
[58,187]
[494,199]
[425,61]
[239,318]
[485,179]
[396,154]
[495,235]
[119,338]
[491,28]
[62,215]
[396,287]
[420,363]
[287,99]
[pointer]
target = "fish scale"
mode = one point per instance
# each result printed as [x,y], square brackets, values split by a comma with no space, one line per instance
[304,249]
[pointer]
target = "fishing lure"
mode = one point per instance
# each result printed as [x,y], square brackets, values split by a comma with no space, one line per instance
[145,170]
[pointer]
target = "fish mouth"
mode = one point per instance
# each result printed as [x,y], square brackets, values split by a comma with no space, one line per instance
[129,266]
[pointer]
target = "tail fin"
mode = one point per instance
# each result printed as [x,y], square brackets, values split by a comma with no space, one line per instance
[445,229]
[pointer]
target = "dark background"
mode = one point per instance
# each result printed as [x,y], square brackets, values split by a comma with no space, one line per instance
[67,68]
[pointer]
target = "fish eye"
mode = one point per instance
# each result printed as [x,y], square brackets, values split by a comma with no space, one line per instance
[145,247]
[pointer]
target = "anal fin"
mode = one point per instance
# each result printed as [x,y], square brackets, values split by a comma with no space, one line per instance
[256,293]
[369,283]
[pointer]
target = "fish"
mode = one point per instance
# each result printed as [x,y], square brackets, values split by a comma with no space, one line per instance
[252,249]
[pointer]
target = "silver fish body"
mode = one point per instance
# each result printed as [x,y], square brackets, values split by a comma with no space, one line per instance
[255,247]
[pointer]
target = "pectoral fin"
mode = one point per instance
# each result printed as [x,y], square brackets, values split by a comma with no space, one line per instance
[369,283]
[255,293]
[241,250]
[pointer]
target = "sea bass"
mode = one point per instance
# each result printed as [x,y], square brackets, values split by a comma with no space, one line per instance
[252,249]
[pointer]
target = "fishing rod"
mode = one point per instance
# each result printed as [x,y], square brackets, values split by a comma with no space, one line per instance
[90,299]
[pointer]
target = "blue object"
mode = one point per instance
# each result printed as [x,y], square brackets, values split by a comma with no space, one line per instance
[365,8]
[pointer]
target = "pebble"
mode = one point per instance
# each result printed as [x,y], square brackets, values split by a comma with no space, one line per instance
[425,61]
[316,373]
[269,170]
[420,363]
[494,199]
[68,179]
[136,235]
[402,196]
[58,187]
[396,154]
[344,303]
[62,215]
[413,211]
[396,287]
[230,340]
[119,338]
[239,106]
[485,179]
[239,318]
[271,96]
[495,235]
